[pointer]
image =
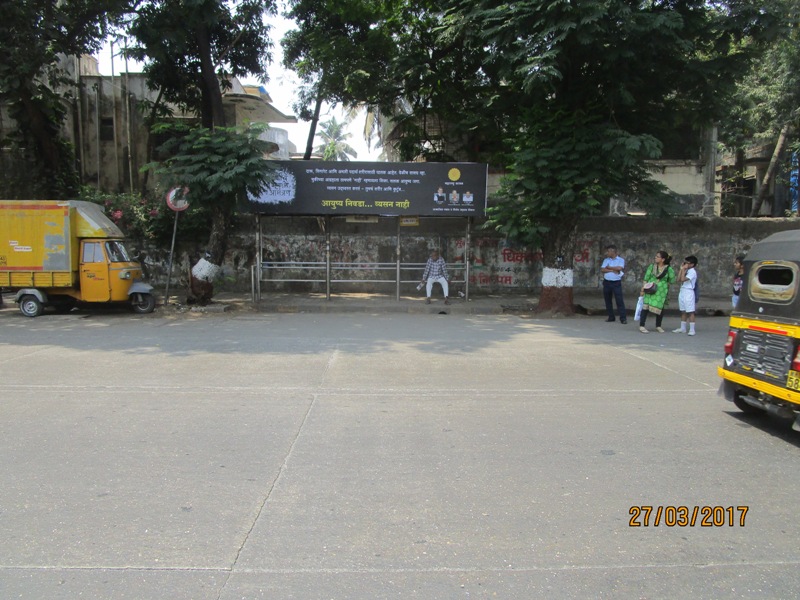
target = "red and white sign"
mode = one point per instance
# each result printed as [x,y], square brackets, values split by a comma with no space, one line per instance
[176,198]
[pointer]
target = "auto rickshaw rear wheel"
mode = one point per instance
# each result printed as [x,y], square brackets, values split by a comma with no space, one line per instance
[30,306]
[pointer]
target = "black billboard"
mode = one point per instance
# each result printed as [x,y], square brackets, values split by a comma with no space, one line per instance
[375,188]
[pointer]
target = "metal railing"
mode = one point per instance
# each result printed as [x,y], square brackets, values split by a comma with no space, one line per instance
[341,272]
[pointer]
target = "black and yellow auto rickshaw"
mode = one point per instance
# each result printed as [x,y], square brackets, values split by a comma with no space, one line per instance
[761,369]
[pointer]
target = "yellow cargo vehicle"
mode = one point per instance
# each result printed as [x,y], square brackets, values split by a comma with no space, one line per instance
[761,368]
[60,253]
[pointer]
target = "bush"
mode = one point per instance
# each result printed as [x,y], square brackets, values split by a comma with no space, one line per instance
[147,218]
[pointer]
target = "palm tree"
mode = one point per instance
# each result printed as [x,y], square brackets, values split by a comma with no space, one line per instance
[334,141]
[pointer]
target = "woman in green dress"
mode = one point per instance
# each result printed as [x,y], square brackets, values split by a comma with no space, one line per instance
[659,275]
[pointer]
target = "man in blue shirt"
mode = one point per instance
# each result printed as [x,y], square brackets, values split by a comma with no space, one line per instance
[613,269]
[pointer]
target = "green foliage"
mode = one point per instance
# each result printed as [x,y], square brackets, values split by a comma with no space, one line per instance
[768,96]
[392,58]
[594,86]
[558,177]
[137,216]
[148,218]
[34,83]
[215,164]
[190,46]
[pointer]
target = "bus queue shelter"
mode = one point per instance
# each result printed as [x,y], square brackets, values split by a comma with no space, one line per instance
[330,192]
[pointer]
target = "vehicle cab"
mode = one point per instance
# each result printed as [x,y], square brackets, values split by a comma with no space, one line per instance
[761,368]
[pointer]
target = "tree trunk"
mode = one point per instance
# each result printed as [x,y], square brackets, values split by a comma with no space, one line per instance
[763,191]
[558,254]
[213,113]
[556,296]
[218,239]
[202,290]
[312,130]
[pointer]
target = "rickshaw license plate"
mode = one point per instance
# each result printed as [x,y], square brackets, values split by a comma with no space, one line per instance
[793,380]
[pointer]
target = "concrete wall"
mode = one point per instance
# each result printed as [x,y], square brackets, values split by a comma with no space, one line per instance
[496,266]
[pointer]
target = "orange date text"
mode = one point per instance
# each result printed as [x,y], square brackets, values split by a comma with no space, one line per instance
[687,516]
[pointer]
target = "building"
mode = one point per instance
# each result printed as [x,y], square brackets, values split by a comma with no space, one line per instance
[107,123]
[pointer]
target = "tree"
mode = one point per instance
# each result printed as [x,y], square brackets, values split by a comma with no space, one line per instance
[35,38]
[389,57]
[573,98]
[596,85]
[334,144]
[765,105]
[774,93]
[190,48]
[334,44]
[217,166]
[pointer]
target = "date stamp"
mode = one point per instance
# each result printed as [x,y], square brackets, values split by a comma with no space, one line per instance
[687,516]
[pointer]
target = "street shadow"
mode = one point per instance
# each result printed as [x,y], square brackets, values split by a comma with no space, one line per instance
[778,427]
[437,332]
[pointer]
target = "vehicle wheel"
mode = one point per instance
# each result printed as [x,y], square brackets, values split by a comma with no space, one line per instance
[30,306]
[744,406]
[143,303]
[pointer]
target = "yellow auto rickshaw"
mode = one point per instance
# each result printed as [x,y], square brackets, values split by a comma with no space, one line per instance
[761,368]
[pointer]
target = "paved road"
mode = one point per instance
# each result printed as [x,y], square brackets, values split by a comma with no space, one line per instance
[263,456]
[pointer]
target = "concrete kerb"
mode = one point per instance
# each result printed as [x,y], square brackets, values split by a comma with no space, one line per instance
[494,304]
[585,303]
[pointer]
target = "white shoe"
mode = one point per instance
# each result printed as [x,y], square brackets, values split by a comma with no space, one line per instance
[691,333]
[679,330]
[660,329]
[643,330]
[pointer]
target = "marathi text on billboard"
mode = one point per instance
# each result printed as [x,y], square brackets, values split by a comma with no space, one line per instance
[374,188]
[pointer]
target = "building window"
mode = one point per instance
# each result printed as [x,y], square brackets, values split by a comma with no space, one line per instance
[107,129]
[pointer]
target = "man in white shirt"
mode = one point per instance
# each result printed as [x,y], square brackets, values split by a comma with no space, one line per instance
[613,269]
[687,277]
[436,272]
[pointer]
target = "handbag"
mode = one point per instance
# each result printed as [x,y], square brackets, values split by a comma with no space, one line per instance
[651,287]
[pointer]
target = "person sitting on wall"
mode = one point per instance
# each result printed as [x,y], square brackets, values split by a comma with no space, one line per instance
[436,272]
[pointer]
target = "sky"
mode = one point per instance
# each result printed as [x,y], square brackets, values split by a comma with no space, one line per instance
[281,87]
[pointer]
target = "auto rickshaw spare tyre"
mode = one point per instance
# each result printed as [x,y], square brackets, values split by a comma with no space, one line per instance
[143,303]
[744,406]
[30,306]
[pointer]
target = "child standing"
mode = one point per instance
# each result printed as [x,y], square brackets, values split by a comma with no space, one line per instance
[687,277]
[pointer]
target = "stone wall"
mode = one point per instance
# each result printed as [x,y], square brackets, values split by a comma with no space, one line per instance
[496,266]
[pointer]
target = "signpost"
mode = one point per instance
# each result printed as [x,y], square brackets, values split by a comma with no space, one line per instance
[178,202]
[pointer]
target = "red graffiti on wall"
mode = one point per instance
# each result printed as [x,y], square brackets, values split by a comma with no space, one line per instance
[486,279]
[584,251]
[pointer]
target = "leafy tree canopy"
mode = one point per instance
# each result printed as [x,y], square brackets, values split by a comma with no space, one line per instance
[598,85]
[769,95]
[217,166]
[389,57]
[34,36]
[190,47]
